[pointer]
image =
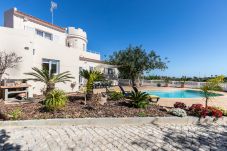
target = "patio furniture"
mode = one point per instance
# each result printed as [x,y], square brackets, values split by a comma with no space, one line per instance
[17,89]
[125,93]
[154,97]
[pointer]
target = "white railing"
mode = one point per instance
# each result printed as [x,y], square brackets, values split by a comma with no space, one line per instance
[124,82]
[188,84]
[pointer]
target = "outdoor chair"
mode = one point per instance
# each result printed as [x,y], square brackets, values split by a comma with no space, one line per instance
[125,93]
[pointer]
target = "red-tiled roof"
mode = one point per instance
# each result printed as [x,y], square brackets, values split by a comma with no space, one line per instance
[38,21]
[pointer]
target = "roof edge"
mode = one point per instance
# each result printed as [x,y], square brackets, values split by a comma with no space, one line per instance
[37,20]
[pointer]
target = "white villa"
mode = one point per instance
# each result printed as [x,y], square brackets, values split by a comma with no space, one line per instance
[41,44]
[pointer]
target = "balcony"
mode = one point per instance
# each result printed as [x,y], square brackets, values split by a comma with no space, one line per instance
[111,76]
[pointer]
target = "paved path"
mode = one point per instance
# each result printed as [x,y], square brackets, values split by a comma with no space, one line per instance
[123,138]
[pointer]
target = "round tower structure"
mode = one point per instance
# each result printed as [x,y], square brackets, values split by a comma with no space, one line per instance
[77,38]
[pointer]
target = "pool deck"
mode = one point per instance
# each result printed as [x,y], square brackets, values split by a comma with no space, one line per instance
[169,102]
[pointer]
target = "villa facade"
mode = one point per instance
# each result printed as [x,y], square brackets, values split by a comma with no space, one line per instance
[41,44]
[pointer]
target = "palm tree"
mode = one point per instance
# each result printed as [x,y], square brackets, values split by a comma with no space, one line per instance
[211,85]
[49,78]
[91,77]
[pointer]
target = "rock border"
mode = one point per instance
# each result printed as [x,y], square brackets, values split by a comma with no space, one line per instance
[189,120]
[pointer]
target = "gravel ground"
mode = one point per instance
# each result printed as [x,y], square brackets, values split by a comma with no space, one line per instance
[75,109]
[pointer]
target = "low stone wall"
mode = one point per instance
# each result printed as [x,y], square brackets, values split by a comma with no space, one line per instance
[116,121]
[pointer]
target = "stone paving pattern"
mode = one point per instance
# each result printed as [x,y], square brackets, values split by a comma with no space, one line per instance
[118,138]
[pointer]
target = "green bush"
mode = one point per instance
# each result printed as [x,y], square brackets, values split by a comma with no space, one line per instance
[56,99]
[115,96]
[140,99]
[16,114]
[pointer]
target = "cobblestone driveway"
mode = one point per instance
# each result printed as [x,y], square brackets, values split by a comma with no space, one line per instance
[146,137]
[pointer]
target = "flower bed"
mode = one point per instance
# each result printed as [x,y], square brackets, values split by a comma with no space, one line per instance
[198,110]
[76,109]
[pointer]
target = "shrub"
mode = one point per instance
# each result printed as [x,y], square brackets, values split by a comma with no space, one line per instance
[224,111]
[196,109]
[140,99]
[115,96]
[199,110]
[56,99]
[16,114]
[180,105]
[216,113]
[210,111]
[178,112]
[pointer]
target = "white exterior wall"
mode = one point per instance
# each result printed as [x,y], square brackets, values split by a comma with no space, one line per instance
[12,21]
[19,34]
[90,55]
[13,40]
[19,23]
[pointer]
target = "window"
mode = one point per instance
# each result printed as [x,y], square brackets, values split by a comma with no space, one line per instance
[48,36]
[110,71]
[44,34]
[51,65]
[39,33]
[29,28]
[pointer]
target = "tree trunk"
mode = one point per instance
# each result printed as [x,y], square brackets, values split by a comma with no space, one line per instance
[50,87]
[1,79]
[133,81]
[206,103]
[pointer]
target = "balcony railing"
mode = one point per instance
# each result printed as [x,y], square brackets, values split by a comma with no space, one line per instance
[111,76]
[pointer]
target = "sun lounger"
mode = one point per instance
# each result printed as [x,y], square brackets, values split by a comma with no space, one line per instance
[125,93]
[154,97]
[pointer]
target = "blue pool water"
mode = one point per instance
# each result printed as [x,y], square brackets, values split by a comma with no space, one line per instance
[180,94]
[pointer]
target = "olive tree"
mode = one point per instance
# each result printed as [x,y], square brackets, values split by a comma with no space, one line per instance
[132,62]
[8,61]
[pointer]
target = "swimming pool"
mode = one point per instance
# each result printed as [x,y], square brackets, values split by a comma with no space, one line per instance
[180,94]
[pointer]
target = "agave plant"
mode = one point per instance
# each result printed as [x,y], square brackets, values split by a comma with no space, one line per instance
[49,78]
[140,99]
[91,77]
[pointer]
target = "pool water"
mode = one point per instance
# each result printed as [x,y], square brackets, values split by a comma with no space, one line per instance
[180,94]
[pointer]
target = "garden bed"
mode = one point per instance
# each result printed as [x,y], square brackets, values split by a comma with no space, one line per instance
[75,108]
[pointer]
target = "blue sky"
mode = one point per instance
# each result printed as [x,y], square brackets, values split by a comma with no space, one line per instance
[191,33]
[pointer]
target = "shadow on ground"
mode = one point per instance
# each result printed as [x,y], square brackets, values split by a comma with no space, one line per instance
[192,138]
[4,145]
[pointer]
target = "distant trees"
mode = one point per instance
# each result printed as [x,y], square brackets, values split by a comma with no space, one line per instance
[196,79]
[134,61]
[8,61]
